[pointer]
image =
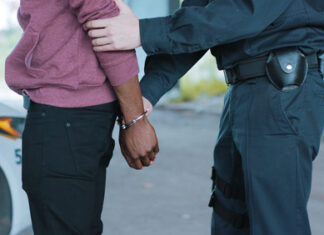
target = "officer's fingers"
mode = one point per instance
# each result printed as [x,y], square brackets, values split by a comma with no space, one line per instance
[100,23]
[108,47]
[101,41]
[97,33]
[147,106]
[146,161]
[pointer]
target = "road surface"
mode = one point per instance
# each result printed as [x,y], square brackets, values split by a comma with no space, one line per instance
[171,197]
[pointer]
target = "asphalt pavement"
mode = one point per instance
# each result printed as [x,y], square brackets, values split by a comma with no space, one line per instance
[171,197]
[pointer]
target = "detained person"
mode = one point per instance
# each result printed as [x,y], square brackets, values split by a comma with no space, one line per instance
[272,54]
[73,96]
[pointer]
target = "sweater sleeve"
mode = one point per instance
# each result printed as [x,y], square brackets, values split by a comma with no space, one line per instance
[119,67]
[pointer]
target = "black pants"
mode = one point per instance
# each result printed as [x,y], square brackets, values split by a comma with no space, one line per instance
[65,155]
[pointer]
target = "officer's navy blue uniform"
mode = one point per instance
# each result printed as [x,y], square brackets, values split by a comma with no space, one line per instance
[268,138]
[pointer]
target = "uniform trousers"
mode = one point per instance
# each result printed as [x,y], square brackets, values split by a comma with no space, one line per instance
[263,158]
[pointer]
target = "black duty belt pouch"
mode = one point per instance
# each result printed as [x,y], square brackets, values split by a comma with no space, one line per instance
[287,68]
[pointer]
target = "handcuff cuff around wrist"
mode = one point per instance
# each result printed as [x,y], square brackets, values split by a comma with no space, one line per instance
[125,126]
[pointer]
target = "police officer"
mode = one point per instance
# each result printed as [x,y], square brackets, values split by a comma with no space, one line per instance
[273,117]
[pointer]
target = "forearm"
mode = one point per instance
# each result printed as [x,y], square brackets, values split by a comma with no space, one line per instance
[163,71]
[195,28]
[130,99]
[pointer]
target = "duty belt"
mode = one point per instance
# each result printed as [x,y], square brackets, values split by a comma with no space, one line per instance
[256,67]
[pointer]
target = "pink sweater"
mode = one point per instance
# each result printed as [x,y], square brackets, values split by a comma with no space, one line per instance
[54,62]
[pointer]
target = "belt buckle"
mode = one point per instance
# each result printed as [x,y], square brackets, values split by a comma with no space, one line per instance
[230,76]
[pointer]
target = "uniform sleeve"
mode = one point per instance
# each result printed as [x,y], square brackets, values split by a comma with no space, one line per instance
[196,28]
[119,67]
[163,71]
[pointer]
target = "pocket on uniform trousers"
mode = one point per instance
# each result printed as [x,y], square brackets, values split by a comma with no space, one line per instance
[270,111]
[292,107]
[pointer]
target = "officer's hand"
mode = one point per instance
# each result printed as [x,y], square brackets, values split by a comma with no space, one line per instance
[139,144]
[117,33]
[147,106]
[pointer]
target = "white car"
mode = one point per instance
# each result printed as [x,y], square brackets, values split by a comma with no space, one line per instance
[14,212]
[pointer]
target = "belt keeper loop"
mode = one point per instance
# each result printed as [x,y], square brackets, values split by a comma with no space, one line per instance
[321,63]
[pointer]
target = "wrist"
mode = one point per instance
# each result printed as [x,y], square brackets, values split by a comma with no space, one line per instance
[128,117]
[125,125]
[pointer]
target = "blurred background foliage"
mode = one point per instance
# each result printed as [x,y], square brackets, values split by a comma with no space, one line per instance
[202,80]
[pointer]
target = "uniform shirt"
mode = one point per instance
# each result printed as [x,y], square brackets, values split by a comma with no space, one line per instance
[234,30]
[54,62]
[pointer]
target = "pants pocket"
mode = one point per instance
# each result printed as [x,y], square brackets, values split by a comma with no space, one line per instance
[58,160]
[90,145]
[292,107]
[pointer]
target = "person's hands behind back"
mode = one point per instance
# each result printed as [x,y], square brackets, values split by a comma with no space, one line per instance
[139,144]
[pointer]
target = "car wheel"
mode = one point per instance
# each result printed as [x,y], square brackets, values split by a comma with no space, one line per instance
[5,205]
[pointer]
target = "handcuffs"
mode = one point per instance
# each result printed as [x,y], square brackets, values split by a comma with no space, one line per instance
[125,126]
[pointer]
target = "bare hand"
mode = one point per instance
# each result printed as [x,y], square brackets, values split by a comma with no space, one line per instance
[117,33]
[139,144]
[147,106]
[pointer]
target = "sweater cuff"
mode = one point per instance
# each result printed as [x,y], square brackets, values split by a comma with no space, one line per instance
[154,36]
[118,74]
